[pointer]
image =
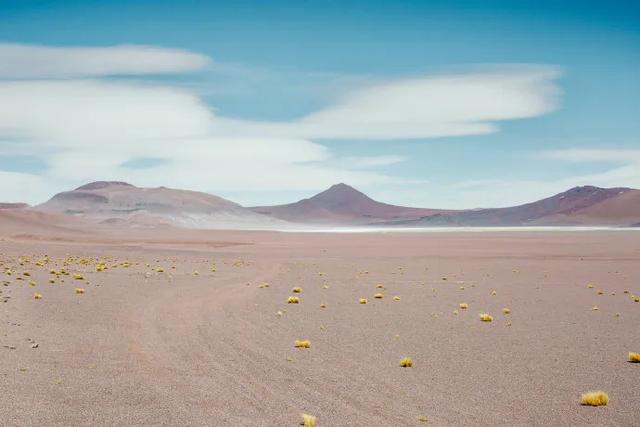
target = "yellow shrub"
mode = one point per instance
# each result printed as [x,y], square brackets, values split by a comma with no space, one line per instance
[37,296]
[486,317]
[506,310]
[594,398]
[296,290]
[634,357]
[79,290]
[396,298]
[378,296]
[302,344]
[406,362]
[293,300]
[308,420]
[463,305]
[363,301]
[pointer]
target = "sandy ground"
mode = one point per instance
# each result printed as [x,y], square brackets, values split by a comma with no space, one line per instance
[144,347]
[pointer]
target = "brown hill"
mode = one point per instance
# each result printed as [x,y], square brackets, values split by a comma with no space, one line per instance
[13,205]
[342,204]
[113,201]
[587,205]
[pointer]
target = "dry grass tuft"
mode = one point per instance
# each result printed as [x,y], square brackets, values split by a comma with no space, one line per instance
[463,305]
[363,301]
[594,398]
[600,292]
[302,344]
[308,420]
[406,362]
[396,298]
[293,300]
[323,305]
[493,292]
[423,418]
[590,286]
[486,317]
[296,290]
[506,310]
[79,290]
[378,296]
[380,286]
[595,308]
[634,357]
[78,276]
[37,296]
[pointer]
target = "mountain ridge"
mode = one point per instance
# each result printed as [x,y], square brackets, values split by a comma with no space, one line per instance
[121,203]
[576,206]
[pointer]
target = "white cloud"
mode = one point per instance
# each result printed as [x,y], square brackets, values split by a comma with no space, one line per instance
[86,129]
[593,155]
[621,169]
[624,173]
[19,61]
[21,187]
[432,106]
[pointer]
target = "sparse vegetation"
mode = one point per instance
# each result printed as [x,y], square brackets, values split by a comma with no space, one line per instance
[308,420]
[302,344]
[485,317]
[406,362]
[594,398]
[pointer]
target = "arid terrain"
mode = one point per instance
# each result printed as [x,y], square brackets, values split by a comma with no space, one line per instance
[180,327]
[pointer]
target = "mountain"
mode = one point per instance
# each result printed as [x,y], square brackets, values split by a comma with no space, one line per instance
[342,205]
[587,205]
[13,205]
[119,202]
[108,203]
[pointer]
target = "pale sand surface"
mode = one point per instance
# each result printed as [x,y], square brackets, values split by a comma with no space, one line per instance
[148,348]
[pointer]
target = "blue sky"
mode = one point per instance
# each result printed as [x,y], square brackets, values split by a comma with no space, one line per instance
[273,101]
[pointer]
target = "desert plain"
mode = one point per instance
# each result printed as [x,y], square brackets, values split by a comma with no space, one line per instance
[194,328]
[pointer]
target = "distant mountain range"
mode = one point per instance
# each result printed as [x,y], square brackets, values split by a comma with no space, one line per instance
[112,202]
[586,205]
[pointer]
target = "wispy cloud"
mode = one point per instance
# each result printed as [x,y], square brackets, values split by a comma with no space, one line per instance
[469,103]
[21,61]
[53,105]
[621,168]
